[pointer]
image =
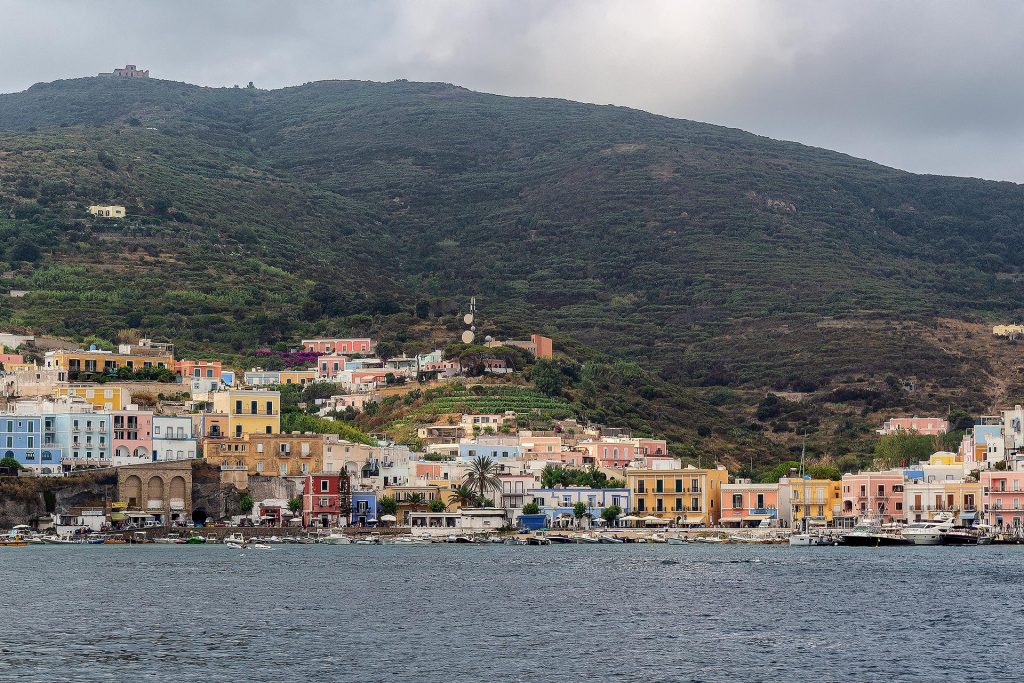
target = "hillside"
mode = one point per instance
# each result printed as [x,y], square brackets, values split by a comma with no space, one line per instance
[715,257]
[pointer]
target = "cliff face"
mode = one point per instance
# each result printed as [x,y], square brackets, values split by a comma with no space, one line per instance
[209,497]
[23,500]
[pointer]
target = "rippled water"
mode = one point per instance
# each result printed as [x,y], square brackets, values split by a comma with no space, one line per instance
[507,613]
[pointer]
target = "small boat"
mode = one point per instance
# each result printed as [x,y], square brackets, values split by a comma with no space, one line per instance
[115,540]
[587,538]
[656,538]
[708,539]
[336,538]
[676,540]
[233,545]
[610,539]
[169,539]
[13,540]
[195,539]
[965,536]
[236,538]
[808,539]
[560,539]
[95,539]
[538,540]
[260,546]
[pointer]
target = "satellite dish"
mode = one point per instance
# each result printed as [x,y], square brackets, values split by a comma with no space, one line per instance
[468,337]
[488,338]
[468,318]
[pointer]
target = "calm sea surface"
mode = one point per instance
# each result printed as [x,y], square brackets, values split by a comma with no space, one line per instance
[510,613]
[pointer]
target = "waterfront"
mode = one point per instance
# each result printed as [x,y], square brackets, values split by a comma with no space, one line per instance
[509,613]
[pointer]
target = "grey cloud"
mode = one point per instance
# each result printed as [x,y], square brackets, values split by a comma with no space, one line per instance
[927,86]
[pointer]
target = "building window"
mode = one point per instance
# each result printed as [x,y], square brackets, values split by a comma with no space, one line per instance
[324,486]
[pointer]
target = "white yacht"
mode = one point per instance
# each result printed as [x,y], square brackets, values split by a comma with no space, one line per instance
[928,532]
[337,538]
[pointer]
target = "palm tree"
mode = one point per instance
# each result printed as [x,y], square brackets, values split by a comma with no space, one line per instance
[483,475]
[416,499]
[465,496]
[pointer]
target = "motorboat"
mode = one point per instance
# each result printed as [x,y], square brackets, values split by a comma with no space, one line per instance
[610,539]
[538,540]
[708,539]
[169,539]
[928,532]
[676,540]
[960,535]
[336,538]
[236,538]
[560,539]
[234,546]
[870,533]
[260,546]
[587,538]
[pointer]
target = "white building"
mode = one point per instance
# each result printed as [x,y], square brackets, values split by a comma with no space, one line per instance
[173,438]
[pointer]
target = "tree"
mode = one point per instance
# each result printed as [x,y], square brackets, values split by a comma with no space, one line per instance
[464,496]
[10,463]
[902,448]
[531,508]
[295,504]
[437,505]
[548,378]
[552,476]
[579,510]
[416,500]
[781,470]
[611,513]
[824,472]
[387,505]
[483,475]
[245,504]
[24,249]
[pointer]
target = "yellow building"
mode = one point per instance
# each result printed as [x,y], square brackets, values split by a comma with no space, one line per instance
[687,496]
[73,363]
[97,395]
[945,458]
[107,211]
[963,497]
[300,377]
[819,500]
[249,411]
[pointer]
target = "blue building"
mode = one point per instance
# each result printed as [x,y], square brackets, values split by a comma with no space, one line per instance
[560,502]
[22,438]
[364,508]
[494,447]
[84,438]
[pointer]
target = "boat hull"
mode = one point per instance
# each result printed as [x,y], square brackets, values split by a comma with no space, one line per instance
[873,540]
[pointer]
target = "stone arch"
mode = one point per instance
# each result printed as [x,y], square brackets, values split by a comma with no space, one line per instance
[155,488]
[199,516]
[141,452]
[122,452]
[8,454]
[178,488]
[133,490]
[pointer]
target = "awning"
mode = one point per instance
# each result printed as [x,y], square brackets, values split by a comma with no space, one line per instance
[968,515]
[756,518]
[655,520]
[733,519]
[691,518]
[629,518]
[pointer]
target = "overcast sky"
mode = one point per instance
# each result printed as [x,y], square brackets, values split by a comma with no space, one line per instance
[933,87]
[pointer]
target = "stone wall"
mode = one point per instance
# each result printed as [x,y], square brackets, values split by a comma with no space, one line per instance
[23,500]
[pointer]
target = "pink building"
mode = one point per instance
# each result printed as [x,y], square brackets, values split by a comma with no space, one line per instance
[878,492]
[132,436]
[6,358]
[329,366]
[927,426]
[1002,498]
[745,503]
[652,447]
[329,346]
[196,369]
[610,453]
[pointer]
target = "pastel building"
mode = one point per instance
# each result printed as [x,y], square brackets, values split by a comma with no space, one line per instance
[494,447]
[85,438]
[879,494]
[559,503]
[329,366]
[927,426]
[336,346]
[173,438]
[364,508]
[1002,498]
[687,496]
[201,376]
[21,438]
[132,437]
[615,453]
[817,500]
[11,359]
[75,364]
[249,411]
[99,396]
[745,503]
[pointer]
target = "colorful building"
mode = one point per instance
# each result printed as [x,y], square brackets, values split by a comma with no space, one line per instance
[326,500]
[173,438]
[927,426]
[329,366]
[22,438]
[745,503]
[687,496]
[99,396]
[338,346]
[132,437]
[877,493]
[1002,498]
[612,452]
[364,508]
[75,364]
[249,411]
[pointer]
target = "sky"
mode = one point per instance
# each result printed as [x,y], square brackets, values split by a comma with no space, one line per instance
[928,86]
